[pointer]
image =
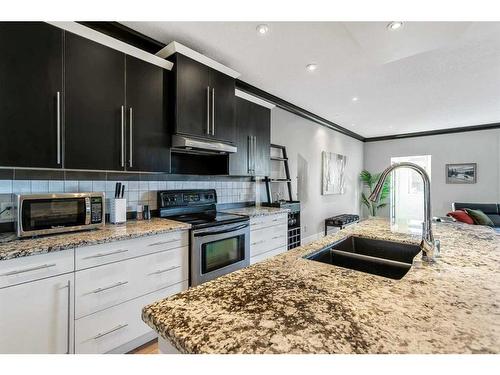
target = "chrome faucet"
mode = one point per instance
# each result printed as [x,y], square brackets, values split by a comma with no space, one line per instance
[429,246]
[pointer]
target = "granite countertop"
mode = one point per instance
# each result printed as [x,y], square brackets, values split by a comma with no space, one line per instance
[254,211]
[12,247]
[291,305]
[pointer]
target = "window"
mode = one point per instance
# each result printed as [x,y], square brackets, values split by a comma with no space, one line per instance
[407,195]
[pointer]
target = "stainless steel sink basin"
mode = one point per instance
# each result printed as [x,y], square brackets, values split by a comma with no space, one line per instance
[377,257]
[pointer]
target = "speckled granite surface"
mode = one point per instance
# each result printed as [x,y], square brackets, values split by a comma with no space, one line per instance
[254,211]
[11,247]
[291,305]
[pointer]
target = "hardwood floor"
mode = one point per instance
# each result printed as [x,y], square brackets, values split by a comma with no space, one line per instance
[148,348]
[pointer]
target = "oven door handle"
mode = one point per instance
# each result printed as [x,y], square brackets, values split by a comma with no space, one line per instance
[233,229]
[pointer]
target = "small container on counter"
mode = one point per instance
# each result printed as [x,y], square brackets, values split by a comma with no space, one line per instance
[146,213]
[139,212]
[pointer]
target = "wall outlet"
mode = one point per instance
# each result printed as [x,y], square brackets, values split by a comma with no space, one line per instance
[305,228]
[8,214]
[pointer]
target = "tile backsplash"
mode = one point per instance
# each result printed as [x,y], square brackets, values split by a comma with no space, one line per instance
[136,192]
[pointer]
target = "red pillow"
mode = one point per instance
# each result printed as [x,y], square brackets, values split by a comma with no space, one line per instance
[461,216]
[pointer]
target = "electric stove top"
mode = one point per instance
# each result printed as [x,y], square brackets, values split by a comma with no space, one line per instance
[195,207]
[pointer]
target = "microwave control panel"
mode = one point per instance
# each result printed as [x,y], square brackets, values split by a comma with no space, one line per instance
[96,204]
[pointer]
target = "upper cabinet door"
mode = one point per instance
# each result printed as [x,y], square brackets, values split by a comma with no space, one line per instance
[30,86]
[94,105]
[223,106]
[253,124]
[192,97]
[261,118]
[147,132]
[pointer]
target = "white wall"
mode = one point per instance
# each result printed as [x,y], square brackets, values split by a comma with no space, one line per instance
[481,147]
[305,140]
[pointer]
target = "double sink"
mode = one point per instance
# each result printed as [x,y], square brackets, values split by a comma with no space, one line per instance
[377,257]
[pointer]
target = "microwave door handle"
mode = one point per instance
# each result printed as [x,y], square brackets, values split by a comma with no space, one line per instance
[87,211]
[204,234]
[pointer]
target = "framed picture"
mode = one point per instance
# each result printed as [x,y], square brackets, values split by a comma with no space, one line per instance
[333,173]
[465,173]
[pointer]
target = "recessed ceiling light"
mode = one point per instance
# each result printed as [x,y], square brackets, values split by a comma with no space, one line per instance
[262,29]
[311,67]
[394,25]
[355,99]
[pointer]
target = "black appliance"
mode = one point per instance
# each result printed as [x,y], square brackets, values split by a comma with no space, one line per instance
[219,242]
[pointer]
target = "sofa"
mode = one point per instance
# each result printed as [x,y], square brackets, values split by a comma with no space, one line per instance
[492,210]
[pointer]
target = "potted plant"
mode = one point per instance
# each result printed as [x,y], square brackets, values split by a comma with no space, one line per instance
[370,180]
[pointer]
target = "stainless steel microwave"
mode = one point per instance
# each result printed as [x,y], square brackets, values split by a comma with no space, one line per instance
[40,214]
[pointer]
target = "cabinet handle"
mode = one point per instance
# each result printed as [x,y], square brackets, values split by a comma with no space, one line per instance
[130,135]
[99,290]
[118,327]
[213,111]
[68,342]
[208,110]
[258,242]
[122,136]
[17,272]
[163,242]
[100,255]
[164,270]
[276,237]
[58,117]
[249,154]
[254,152]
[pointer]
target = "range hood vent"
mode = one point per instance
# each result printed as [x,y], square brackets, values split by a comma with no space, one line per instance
[185,144]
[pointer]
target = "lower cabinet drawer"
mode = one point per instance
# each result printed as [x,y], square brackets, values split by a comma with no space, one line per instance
[268,221]
[111,328]
[97,255]
[101,287]
[267,255]
[21,270]
[267,239]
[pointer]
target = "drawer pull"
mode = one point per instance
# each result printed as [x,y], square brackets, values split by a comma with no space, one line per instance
[163,271]
[17,272]
[258,242]
[98,290]
[276,237]
[163,242]
[117,328]
[100,255]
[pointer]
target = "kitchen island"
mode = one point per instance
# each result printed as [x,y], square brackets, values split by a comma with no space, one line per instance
[288,304]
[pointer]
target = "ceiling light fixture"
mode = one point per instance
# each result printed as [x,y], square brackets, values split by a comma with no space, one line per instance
[262,29]
[395,25]
[311,67]
[355,99]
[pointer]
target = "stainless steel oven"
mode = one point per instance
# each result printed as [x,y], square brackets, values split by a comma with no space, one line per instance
[218,250]
[40,214]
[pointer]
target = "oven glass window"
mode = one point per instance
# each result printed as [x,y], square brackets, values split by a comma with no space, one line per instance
[222,253]
[49,213]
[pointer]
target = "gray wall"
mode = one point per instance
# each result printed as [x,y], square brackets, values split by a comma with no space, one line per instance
[481,147]
[305,140]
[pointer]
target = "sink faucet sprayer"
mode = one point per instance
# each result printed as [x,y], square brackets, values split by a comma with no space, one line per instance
[429,246]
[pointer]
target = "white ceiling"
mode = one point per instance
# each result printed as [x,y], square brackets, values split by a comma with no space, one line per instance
[424,76]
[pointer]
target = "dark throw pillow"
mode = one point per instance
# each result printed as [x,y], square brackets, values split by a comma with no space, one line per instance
[479,217]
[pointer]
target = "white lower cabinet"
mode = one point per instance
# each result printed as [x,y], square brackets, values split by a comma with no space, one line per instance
[109,297]
[37,317]
[268,236]
[89,299]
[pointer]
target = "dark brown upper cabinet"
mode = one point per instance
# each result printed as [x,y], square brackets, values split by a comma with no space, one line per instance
[148,137]
[203,101]
[115,110]
[94,105]
[30,95]
[253,140]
